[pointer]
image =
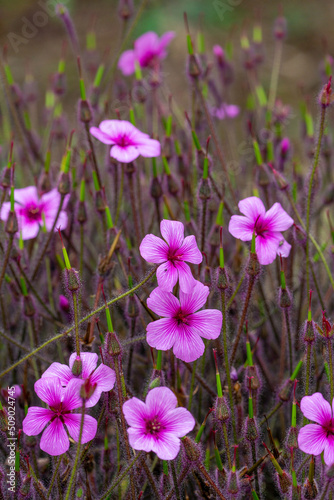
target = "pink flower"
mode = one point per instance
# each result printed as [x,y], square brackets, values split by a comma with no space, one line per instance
[30,210]
[127,141]
[316,438]
[103,376]
[171,253]
[267,226]
[225,111]
[182,325]
[148,48]
[157,425]
[61,402]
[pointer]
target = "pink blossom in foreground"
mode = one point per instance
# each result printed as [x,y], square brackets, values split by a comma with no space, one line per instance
[268,225]
[171,253]
[319,437]
[148,49]
[103,376]
[127,142]
[157,425]
[30,210]
[61,402]
[225,111]
[182,325]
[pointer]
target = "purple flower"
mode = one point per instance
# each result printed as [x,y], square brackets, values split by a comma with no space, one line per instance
[316,438]
[30,210]
[182,325]
[267,226]
[126,140]
[61,402]
[148,48]
[157,425]
[171,253]
[225,111]
[103,376]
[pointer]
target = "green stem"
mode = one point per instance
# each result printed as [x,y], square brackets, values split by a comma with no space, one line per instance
[120,198]
[76,324]
[177,491]
[243,317]
[309,195]
[227,446]
[77,453]
[236,291]
[6,258]
[288,329]
[54,475]
[227,366]
[121,477]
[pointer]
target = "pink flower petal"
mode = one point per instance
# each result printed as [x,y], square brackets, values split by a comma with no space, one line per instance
[49,390]
[124,154]
[165,40]
[172,232]
[135,412]
[312,439]
[153,249]
[73,421]
[101,136]
[146,46]
[50,204]
[329,450]
[5,209]
[126,62]
[36,419]
[104,377]
[160,400]
[192,302]
[186,280]
[150,149]
[26,196]
[179,422]
[89,362]
[252,207]
[163,303]
[167,276]
[29,230]
[166,446]
[206,323]
[277,218]
[188,345]
[241,227]
[316,408]
[59,370]
[54,440]
[71,397]
[189,251]
[162,333]
[284,248]
[266,247]
[140,441]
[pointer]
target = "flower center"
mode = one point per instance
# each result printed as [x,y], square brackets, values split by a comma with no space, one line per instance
[124,141]
[33,213]
[181,317]
[153,426]
[329,428]
[260,227]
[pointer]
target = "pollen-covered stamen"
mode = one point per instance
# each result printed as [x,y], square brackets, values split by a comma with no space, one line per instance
[153,426]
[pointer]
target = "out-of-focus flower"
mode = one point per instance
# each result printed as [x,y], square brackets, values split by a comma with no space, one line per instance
[182,325]
[127,142]
[225,111]
[148,48]
[157,425]
[103,376]
[267,226]
[31,210]
[319,437]
[61,402]
[172,252]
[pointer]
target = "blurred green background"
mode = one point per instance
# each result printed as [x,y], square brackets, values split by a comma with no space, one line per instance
[310,36]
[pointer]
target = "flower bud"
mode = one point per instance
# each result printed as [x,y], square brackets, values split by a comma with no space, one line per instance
[253,377]
[125,9]
[309,332]
[280,28]
[156,189]
[6,178]
[44,182]
[193,67]
[204,190]
[310,490]
[291,440]
[222,410]
[326,96]
[25,486]
[285,300]
[28,306]
[251,431]
[191,449]
[77,366]
[172,185]
[12,226]
[112,344]
[87,389]
[73,281]
[167,148]
[285,393]
[253,267]
[222,278]
[100,203]
[3,419]
[233,483]
[85,111]
[59,83]
[64,185]
[82,212]
[284,481]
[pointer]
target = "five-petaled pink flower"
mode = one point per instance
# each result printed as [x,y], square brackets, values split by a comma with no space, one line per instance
[148,49]
[171,253]
[31,210]
[157,425]
[268,225]
[127,142]
[319,437]
[225,111]
[182,324]
[61,402]
[103,376]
